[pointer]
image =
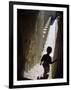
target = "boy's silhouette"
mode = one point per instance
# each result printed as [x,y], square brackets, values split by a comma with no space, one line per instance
[46,61]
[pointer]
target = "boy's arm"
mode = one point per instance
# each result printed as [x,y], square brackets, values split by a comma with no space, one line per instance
[54,61]
[42,60]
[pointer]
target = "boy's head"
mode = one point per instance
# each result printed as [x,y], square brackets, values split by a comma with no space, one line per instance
[49,50]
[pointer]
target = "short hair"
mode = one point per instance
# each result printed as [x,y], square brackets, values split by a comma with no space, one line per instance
[49,49]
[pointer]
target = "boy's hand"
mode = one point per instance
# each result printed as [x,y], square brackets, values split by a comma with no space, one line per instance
[54,61]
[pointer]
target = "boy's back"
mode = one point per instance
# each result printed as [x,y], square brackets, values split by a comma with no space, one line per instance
[46,60]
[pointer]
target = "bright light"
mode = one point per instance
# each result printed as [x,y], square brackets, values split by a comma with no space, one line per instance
[47,24]
[45,29]
[44,32]
[36,71]
[51,40]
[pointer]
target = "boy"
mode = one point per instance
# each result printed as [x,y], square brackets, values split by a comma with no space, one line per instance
[46,61]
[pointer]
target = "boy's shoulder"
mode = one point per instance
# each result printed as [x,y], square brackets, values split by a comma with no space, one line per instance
[45,55]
